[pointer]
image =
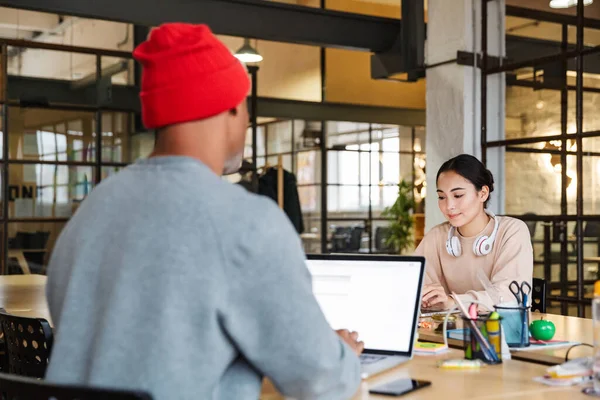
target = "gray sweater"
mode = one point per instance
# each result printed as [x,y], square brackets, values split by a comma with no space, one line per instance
[171,280]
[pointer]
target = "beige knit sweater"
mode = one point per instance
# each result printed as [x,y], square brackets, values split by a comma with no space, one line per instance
[510,259]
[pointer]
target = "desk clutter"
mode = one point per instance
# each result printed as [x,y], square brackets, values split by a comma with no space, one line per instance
[509,325]
[489,335]
[570,373]
[425,348]
[459,334]
[483,337]
[475,331]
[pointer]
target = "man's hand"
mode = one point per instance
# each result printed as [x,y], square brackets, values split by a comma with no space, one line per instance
[351,339]
[435,297]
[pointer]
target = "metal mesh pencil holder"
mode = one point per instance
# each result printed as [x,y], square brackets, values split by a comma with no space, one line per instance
[515,324]
[491,330]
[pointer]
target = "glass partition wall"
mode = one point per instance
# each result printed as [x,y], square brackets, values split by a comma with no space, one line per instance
[54,151]
[552,147]
[64,130]
[365,162]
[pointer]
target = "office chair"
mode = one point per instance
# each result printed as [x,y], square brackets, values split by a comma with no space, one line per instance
[340,238]
[531,225]
[346,239]
[538,295]
[355,237]
[591,229]
[17,388]
[382,233]
[28,344]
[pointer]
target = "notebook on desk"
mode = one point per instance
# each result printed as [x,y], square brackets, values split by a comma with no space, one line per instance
[377,296]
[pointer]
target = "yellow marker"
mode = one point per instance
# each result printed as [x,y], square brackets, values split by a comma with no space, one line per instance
[493,329]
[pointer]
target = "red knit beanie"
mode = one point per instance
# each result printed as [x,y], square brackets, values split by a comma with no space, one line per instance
[188,75]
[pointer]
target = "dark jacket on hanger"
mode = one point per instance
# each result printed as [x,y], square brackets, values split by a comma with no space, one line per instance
[245,184]
[267,186]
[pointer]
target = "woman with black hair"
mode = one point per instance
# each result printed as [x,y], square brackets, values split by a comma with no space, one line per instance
[473,241]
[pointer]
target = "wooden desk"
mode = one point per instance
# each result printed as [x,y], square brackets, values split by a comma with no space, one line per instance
[24,295]
[567,328]
[511,380]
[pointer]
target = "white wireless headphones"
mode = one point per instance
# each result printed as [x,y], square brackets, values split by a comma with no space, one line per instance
[481,247]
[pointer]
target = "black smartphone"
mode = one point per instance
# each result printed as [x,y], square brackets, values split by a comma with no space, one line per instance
[399,387]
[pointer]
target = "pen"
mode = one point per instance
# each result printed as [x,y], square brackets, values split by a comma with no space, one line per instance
[525,328]
[473,315]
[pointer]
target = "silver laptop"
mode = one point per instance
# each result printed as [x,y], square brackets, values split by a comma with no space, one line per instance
[377,296]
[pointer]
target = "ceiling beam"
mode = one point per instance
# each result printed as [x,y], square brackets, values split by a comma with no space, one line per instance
[38,92]
[519,48]
[258,19]
[311,111]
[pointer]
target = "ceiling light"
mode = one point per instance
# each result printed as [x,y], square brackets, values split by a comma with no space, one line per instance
[247,53]
[568,3]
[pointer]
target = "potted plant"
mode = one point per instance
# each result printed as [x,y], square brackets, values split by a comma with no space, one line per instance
[400,215]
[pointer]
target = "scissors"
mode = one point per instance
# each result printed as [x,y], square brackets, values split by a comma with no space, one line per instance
[521,292]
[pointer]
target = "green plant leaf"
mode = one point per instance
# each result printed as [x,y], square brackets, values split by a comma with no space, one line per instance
[400,217]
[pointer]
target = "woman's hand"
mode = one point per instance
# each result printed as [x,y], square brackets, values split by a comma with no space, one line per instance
[435,297]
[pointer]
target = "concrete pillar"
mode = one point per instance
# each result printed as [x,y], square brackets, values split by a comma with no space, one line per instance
[454,93]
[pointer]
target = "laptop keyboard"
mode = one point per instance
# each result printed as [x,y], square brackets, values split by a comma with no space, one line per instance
[370,359]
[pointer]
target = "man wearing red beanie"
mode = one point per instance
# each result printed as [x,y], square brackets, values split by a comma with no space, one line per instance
[171,280]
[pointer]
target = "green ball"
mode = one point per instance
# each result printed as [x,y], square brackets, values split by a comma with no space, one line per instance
[542,330]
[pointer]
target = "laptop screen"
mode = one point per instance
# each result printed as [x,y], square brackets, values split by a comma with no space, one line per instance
[376,296]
